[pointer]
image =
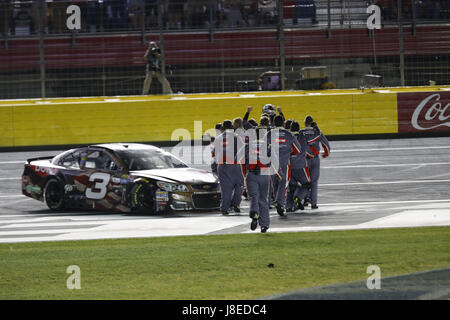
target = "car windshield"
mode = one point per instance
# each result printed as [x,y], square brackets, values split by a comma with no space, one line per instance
[149,159]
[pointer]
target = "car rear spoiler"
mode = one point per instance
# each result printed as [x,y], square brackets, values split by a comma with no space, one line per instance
[40,158]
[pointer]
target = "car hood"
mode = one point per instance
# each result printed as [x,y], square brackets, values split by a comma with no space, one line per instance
[185,175]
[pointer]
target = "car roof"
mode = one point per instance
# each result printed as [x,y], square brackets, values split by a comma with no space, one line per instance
[126,146]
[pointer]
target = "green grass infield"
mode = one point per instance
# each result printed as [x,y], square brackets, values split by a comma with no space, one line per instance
[243,266]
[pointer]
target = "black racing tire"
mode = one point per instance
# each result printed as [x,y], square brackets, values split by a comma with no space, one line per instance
[142,199]
[54,195]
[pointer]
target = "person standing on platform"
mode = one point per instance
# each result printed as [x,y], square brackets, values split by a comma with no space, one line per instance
[153,68]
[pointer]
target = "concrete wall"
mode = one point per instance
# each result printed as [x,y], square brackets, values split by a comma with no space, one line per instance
[154,118]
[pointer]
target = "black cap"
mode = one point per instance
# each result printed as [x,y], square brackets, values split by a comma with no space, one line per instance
[253,122]
[295,126]
[227,124]
[308,121]
[278,121]
[288,123]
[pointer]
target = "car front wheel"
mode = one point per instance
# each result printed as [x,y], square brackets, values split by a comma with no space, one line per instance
[141,198]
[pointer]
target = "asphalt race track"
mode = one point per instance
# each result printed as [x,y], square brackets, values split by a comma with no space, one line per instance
[363,184]
[429,285]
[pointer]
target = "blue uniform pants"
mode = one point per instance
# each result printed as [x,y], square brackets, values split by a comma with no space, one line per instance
[314,171]
[231,183]
[302,183]
[280,186]
[258,192]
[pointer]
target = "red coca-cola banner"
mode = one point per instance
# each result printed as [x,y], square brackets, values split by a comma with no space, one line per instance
[423,111]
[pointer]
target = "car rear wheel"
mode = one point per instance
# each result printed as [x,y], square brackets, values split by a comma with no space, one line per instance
[141,198]
[54,195]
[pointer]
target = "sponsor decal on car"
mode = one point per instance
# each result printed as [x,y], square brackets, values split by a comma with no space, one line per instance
[33,189]
[115,180]
[43,171]
[162,196]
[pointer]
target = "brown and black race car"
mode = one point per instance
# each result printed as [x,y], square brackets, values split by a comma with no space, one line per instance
[120,177]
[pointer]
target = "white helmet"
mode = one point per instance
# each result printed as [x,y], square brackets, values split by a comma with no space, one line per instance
[269,109]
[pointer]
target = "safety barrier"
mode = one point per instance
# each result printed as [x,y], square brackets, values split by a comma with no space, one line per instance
[157,118]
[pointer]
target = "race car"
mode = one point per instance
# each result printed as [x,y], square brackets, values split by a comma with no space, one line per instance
[119,177]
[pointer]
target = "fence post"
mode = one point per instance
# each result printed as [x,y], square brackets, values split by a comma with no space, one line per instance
[143,20]
[161,37]
[400,38]
[5,22]
[41,49]
[102,28]
[282,43]
[414,18]
[329,19]
[211,21]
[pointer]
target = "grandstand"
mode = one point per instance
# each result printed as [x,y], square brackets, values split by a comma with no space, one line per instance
[40,57]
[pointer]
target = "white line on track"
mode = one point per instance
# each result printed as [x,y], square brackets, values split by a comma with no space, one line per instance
[385,202]
[12,162]
[50,223]
[391,149]
[63,229]
[12,196]
[387,165]
[380,182]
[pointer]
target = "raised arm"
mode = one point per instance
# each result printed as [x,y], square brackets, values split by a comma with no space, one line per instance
[247,114]
[280,112]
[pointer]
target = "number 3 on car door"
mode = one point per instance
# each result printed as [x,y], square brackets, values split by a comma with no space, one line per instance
[101,180]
